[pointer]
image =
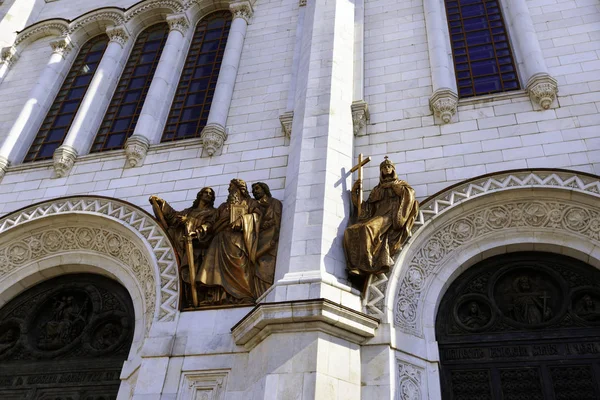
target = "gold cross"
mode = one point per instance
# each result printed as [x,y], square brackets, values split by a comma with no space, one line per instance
[359,167]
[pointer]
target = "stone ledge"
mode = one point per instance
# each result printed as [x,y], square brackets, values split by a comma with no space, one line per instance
[302,316]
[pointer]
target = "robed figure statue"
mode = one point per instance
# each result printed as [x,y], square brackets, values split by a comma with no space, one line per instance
[384,224]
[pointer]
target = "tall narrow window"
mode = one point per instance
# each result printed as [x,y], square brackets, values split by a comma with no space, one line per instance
[196,87]
[482,56]
[60,117]
[126,104]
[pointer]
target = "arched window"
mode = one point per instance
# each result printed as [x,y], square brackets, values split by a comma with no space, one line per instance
[60,117]
[126,104]
[483,60]
[196,87]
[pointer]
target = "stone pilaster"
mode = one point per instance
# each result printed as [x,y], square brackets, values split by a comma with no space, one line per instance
[443,103]
[64,158]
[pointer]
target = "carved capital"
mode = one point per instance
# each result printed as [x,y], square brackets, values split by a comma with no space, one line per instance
[242,9]
[286,122]
[136,148]
[64,158]
[118,34]
[178,22]
[213,136]
[3,166]
[443,104]
[360,116]
[302,3]
[62,46]
[9,55]
[542,90]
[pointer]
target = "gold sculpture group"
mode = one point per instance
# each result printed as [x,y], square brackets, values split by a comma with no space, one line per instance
[227,254]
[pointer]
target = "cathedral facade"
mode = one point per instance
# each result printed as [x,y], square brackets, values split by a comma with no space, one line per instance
[313,199]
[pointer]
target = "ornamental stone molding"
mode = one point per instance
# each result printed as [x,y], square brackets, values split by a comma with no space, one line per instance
[360,116]
[62,46]
[286,120]
[206,384]
[242,9]
[28,248]
[112,17]
[436,206]
[213,136]
[136,148]
[159,250]
[45,28]
[173,5]
[63,159]
[443,103]
[9,56]
[118,34]
[542,90]
[179,23]
[410,379]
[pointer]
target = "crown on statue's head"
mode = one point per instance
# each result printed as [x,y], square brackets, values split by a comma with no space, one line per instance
[385,162]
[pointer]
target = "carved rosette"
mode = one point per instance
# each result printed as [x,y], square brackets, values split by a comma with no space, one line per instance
[8,56]
[542,90]
[118,34]
[178,22]
[64,158]
[286,122]
[360,116]
[242,9]
[443,104]
[136,148]
[3,166]
[213,136]
[62,46]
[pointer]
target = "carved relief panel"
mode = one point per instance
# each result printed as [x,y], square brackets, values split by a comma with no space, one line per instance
[522,326]
[66,338]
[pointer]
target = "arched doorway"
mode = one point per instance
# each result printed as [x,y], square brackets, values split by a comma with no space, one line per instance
[521,326]
[66,338]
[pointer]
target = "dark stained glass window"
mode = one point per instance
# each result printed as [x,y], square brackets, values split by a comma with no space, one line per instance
[482,56]
[196,87]
[60,116]
[128,100]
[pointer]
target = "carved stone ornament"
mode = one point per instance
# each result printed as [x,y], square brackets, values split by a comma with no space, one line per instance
[175,6]
[48,28]
[179,23]
[360,116]
[301,3]
[118,34]
[64,157]
[3,166]
[145,227]
[242,9]
[9,56]
[213,136]
[62,46]
[375,295]
[201,385]
[112,17]
[136,148]
[542,89]
[286,120]
[443,103]
[409,381]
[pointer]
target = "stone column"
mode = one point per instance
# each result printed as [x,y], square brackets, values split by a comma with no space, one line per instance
[8,56]
[444,99]
[27,124]
[148,129]
[213,134]
[97,97]
[542,87]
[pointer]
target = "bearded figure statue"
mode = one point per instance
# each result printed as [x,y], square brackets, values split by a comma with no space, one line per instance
[384,224]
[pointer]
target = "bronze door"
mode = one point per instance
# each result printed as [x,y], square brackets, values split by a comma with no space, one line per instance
[65,339]
[522,326]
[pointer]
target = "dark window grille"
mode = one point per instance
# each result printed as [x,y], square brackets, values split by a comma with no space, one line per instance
[128,100]
[62,112]
[196,87]
[483,59]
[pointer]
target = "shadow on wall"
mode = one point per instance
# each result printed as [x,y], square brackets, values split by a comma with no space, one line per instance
[15,15]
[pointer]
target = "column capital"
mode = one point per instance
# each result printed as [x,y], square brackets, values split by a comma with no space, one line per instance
[118,34]
[444,103]
[242,9]
[4,163]
[64,158]
[286,120]
[542,90]
[360,116]
[9,55]
[136,148]
[62,46]
[213,136]
[178,22]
